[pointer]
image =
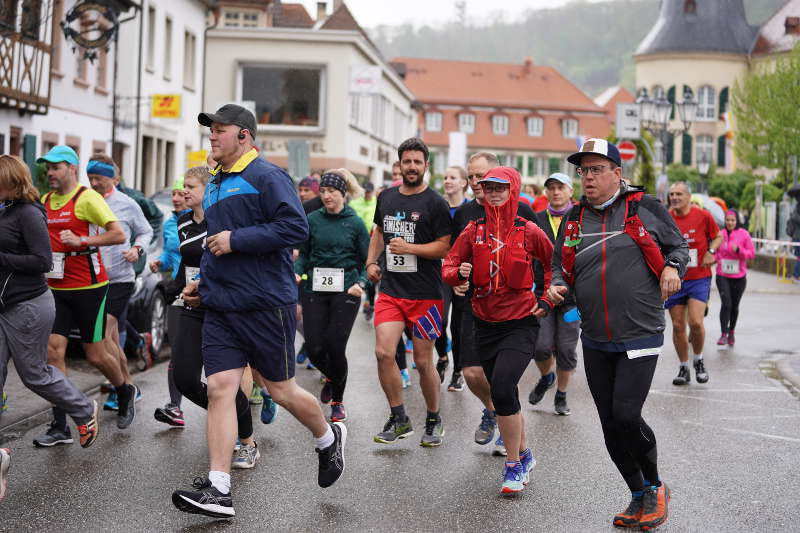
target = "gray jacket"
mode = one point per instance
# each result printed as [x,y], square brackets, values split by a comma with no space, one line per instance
[618,296]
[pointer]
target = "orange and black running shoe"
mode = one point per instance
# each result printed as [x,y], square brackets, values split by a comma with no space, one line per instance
[655,504]
[88,431]
[630,516]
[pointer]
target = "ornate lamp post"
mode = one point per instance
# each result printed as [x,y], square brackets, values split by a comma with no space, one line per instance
[655,113]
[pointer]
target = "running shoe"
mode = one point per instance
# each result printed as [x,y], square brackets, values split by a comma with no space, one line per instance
[700,373]
[88,432]
[561,407]
[441,367]
[528,462]
[255,395]
[369,313]
[513,476]
[310,365]
[54,435]
[127,410]
[655,507]
[106,387]
[5,463]
[723,340]
[338,414]
[631,515]
[499,447]
[406,378]
[331,459]
[456,383]
[731,338]
[301,355]
[434,431]
[111,403]
[409,346]
[246,456]
[683,377]
[327,392]
[544,384]
[269,409]
[394,430]
[205,499]
[3,402]
[485,432]
[144,352]
[171,415]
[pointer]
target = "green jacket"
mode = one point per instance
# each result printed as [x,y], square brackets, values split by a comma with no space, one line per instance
[335,241]
[366,210]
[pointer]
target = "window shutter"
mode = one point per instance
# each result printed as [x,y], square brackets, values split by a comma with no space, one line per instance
[671,100]
[531,166]
[721,147]
[520,163]
[723,101]
[686,150]
[670,150]
[555,165]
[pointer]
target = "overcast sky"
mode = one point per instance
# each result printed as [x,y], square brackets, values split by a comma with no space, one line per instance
[371,13]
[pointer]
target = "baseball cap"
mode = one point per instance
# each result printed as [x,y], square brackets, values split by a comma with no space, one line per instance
[491,176]
[599,147]
[60,153]
[230,114]
[177,185]
[559,177]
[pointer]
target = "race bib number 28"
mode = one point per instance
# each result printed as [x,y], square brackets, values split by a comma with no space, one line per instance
[328,280]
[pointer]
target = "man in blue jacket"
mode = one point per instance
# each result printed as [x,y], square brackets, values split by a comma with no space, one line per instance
[247,285]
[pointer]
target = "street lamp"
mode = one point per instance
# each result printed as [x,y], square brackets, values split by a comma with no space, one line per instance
[655,113]
[703,166]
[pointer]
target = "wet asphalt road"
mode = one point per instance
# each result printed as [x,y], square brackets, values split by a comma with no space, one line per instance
[730,450]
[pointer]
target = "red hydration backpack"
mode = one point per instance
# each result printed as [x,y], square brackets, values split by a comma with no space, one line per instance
[489,254]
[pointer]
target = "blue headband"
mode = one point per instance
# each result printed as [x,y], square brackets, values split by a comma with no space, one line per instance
[100,168]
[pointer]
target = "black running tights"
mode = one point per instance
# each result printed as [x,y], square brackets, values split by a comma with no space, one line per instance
[503,371]
[187,367]
[730,292]
[619,387]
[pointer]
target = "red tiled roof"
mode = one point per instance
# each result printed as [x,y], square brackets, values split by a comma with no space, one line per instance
[773,36]
[612,96]
[294,16]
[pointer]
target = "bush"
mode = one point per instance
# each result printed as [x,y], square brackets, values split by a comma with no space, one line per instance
[730,187]
[747,200]
[678,172]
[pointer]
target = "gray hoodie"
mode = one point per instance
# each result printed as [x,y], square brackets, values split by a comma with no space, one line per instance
[618,296]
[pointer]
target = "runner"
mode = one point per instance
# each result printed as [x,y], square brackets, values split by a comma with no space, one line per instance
[118,260]
[495,254]
[79,281]
[413,227]
[27,309]
[732,256]
[330,271]
[622,254]
[170,256]
[556,354]
[462,321]
[254,220]
[702,234]
[308,190]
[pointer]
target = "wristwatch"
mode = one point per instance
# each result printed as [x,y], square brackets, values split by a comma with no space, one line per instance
[84,240]
[712,251]
[672,262]
[139,249]
[362,284]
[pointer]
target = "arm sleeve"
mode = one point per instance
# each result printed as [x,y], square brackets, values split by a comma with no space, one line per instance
[747,250]
[171,244]
[662,226]
[542,249]
[142,230]
[304,250]
[37,240]
[460,252]
[287,226]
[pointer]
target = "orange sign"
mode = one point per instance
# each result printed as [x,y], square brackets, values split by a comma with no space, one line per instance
[165,106]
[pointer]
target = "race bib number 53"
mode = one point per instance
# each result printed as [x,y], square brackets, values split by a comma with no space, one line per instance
[400,262]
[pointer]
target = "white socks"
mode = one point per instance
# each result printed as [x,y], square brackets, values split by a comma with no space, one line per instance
[685,364]
[698,357]
[325,440]
[220,481]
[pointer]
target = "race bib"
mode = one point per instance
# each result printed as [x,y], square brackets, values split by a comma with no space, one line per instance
[328,280]
[400,262]
[191,273]
[58,267]
[730,266]
[644,352]
[692,257]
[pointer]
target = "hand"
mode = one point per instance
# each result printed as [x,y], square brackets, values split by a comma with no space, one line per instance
[670,282]
[155,266]
[708,259]
[464,270]
[131,255]
[297,279]
[556,293]
[220,244]
[191,294]
[355,290]
[70,239]
[295,254]
[734,248]
[374,272]
[462,289]
[537,311]
[398,245]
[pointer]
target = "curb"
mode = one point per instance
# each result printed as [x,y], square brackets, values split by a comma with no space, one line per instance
[790,378]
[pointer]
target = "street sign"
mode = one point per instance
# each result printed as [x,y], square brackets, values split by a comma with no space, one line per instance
[627,151]
[628,124]
[165,106]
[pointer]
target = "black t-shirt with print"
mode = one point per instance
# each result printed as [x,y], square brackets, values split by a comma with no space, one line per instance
[419,219]
[192,237]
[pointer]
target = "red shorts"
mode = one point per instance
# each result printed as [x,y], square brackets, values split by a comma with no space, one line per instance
[423,317]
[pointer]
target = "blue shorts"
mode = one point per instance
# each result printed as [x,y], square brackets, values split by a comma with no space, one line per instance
[696,289]
[262,338]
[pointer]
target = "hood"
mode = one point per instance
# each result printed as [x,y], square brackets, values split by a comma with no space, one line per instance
[347,211]
[500,219]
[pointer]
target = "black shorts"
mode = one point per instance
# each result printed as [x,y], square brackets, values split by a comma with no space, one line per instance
[81,308]
[469,354]
[511,335]
[119,296]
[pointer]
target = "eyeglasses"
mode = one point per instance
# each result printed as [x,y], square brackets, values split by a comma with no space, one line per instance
[495,187]
[596,170]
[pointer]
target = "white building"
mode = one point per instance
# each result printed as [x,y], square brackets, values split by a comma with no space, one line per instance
[296,72]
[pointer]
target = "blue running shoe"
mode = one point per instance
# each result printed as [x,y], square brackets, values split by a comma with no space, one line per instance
[138,394]
[485,432]
[499,447]
[301,355]
[269,409]
[449,345]
[406,378]
[513,475]
[111,402]
[528,462]
[310,365]
[409,346]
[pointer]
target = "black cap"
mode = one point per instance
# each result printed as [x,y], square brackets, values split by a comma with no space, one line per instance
[230,114]
[369,187]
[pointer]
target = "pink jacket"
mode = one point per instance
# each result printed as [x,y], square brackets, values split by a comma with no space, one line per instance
[732,264]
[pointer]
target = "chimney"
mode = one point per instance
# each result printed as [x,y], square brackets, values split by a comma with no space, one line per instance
[322,8]
[792,25]
[527,67]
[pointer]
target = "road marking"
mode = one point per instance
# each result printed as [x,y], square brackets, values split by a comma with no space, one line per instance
[756,417]
[775,389]
[745,432]
[701,398]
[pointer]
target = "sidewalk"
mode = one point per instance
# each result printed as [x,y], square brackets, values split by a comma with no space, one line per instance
[764,283]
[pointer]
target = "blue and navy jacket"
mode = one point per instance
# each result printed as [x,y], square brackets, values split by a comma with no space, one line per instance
[171,255]
[257,203]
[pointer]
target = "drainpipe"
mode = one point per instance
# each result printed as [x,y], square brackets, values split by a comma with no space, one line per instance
[137,157]
[216,14]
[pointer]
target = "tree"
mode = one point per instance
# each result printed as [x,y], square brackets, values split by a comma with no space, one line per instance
[730,187]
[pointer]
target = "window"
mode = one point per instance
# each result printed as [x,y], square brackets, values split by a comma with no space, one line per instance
[704,148]
[569,128]
[189,55]
[102,70]
[535,126]
[151,38]
[31,19]
[249,20]
[8,15]
[466,123]
[500,125]
[168,49]
[433,121]
[706,107]
[284,96]
[232,19]
[658,92]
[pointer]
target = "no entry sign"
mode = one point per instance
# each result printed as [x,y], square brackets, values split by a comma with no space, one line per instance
[627,151]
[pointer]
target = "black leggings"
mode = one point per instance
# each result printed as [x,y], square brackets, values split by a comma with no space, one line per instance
[187,366]
[730,292]
[619,387]
[459,302]
[328,319]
